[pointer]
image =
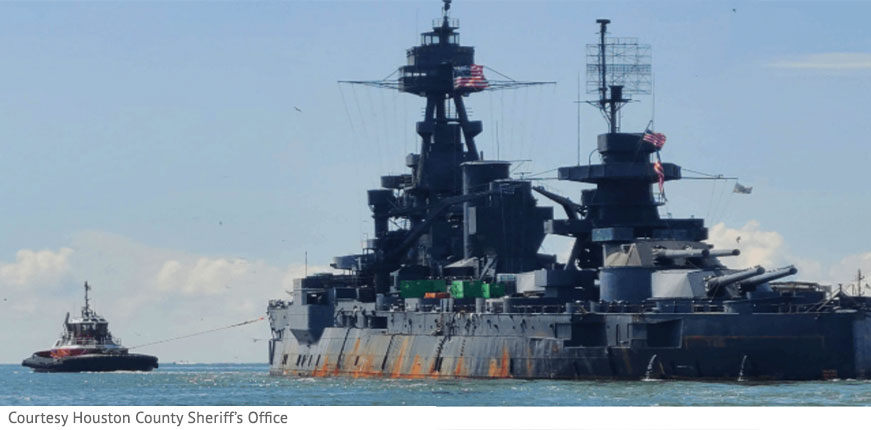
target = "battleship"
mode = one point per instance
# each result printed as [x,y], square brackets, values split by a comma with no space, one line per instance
[86,345]
[452,283]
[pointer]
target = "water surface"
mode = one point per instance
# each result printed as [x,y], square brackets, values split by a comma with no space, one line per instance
[250,384]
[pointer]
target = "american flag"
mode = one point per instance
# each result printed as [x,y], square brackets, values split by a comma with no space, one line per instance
[470,77]
[657,139]
[660,174]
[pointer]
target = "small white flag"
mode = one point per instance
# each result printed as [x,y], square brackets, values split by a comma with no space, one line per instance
[740,189]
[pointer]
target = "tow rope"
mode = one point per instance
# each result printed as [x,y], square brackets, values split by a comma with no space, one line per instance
[199,333]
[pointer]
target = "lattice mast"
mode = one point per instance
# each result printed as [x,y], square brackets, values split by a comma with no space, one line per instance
[616,69]
[621,209]
[443,72]
[420,218]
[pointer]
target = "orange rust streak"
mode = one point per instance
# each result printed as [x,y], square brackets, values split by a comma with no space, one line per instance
[493,370]
[505,371]
[353,354]
[458,369]
[324,370]
[365,368]
[528,360]
[361,368]
[416,367]
[397,365]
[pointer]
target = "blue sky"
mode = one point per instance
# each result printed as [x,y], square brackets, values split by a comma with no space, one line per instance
[184,156]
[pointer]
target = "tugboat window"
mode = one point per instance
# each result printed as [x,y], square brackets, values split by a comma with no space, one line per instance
[430,39]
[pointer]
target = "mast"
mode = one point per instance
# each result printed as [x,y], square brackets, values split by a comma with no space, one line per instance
[87,309]
[431,202]
[622,208]
[610,106]
[87,312]
[603,88]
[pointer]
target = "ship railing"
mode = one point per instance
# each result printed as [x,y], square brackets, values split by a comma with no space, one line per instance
[452,22]
[538,309]
[771,305]
[706,307]
[91,341]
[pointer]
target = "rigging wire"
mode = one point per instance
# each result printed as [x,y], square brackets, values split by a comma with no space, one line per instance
[240,324]
[719,206]
[498,73]
[492,124]
[718,176]
[711,201]
[408,136]
[356,153]
[533,175]
[501,122]
[347,112]
[359,112]
[378,141]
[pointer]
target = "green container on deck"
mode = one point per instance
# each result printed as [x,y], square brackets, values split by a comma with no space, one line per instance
[467,289]
[492,291]
[417,289]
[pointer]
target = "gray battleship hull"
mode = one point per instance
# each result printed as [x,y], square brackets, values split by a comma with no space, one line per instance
[452,283]
[591,346]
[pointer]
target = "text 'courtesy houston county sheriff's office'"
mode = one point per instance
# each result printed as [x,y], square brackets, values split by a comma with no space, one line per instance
[142,417]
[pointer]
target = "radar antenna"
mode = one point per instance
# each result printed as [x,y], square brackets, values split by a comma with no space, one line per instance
[619,66]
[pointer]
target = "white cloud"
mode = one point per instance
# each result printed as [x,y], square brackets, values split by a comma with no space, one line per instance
[758,247]
[766,248]
[845,271]
[205,275]
[36,268]
[146,293]
[826,61]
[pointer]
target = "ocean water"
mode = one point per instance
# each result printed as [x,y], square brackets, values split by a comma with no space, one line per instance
[250,384]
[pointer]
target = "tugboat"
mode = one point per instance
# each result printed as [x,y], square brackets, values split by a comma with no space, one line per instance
[87,346]
[452,284]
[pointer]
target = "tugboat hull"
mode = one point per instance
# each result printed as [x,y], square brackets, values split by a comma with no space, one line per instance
[92,363]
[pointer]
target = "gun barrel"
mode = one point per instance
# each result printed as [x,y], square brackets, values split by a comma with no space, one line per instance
[719,281]
[725,252]
[681,253]
[770,276]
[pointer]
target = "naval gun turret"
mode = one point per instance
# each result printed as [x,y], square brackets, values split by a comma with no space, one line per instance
[622,208]
[681,253]
[715,282]
[750,284]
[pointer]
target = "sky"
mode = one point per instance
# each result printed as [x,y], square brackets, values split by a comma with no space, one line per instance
[185,157]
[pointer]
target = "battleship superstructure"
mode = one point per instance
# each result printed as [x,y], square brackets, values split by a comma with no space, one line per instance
[86,345]
[452,284]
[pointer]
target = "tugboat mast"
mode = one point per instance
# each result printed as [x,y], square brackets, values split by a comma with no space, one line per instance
[87,309]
